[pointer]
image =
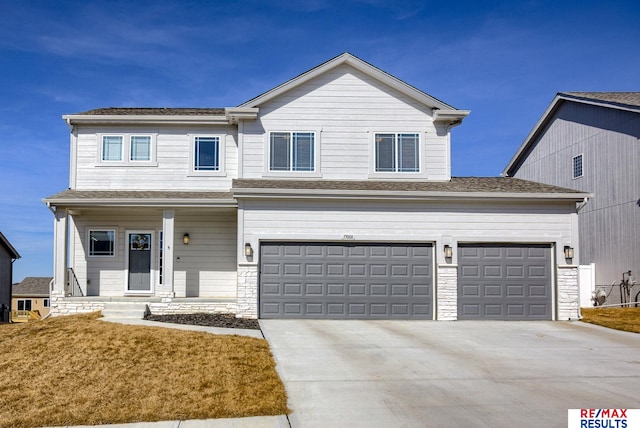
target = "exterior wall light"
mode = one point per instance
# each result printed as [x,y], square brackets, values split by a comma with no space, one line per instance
[448,252]
[185,239]
[248,251]
[568,252]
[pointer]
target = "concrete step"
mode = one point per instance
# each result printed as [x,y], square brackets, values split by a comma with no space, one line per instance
[123,310]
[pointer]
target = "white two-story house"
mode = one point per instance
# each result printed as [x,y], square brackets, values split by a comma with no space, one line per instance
[329,196]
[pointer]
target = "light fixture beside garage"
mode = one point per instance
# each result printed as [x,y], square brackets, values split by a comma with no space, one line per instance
[448,252]
[248,251]
[185,239]
[568,252]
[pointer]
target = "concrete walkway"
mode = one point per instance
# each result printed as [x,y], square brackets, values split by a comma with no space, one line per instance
[451,374]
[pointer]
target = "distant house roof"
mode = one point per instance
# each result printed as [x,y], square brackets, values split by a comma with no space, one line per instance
[7,245]
[628,101]
[139,198]
[32,286]
[614,99]
[457,187]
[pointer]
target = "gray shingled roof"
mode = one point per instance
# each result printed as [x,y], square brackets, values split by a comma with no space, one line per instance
[629,99]
[155,111]
[456,185]
[32,286]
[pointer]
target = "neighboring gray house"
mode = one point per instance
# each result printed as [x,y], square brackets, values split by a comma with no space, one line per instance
[329,196]
[589,141]
[8,255]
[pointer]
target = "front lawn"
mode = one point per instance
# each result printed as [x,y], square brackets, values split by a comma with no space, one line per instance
[77,370]
[626,319]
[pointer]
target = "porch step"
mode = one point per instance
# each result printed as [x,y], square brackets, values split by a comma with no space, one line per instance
[124,310]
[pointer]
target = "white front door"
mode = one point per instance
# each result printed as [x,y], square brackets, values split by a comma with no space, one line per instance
[139,257]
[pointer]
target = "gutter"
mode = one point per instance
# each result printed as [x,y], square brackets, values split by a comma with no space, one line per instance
[400,195]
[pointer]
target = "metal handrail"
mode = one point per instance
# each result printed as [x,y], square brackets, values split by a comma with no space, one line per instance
[73,284]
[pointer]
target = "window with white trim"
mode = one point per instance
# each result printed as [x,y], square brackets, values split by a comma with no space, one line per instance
[102,243]
[578,168]
[112,148]
[397,152]
[140,148]
[127,149]
[292,151]
[46,302]
[206,156]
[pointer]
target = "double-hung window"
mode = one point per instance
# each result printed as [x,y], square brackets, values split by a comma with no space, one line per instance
[206,154]
[397,152]
[102,243]
[292,151]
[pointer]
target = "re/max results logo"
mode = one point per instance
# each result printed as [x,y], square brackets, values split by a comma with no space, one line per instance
[604,418]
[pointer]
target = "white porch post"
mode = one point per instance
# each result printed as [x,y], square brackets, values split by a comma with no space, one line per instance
[60,238]
[168,230]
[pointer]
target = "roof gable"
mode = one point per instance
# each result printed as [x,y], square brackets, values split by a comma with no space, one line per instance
[442,109]
[628,101]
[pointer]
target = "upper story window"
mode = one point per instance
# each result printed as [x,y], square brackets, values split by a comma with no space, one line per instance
[140,148]
[292,151]
[206,154]
[112,147]
[127,149]
[207,157]
[578,170]
[397,152]
[102,243]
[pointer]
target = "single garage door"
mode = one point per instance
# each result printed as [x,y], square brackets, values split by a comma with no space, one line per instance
[504,282]
[346,281]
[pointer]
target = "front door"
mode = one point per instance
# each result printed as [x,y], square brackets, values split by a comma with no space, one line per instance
[139,277]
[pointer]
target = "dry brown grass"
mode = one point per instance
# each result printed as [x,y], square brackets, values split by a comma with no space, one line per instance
[626,319]
[77,370]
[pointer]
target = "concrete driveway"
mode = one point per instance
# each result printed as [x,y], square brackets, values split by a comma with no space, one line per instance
[451,374]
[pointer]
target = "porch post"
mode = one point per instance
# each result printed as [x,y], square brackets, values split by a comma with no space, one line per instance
[168,230]
[60,245]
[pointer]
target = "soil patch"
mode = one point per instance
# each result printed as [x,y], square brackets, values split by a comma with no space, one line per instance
[209,320]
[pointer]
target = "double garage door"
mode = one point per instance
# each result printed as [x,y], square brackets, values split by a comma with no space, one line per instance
[346,281]
[395,281]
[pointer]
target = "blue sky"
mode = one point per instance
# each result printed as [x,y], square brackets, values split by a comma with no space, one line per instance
[503,60]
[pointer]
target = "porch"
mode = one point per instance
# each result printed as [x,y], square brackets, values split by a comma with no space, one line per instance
[127,307]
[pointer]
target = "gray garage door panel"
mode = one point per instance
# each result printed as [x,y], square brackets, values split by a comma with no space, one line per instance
[341,281]
[504,282]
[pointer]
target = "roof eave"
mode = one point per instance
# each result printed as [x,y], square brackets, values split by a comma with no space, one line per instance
[130,202]
[106,119]
[407,195]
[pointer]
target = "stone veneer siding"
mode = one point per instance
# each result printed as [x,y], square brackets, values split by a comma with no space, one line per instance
[247,290]
[447,293]
[568,293]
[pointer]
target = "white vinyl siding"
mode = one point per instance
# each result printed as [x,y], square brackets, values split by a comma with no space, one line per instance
[346,108]
[292,151]
[170,167]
